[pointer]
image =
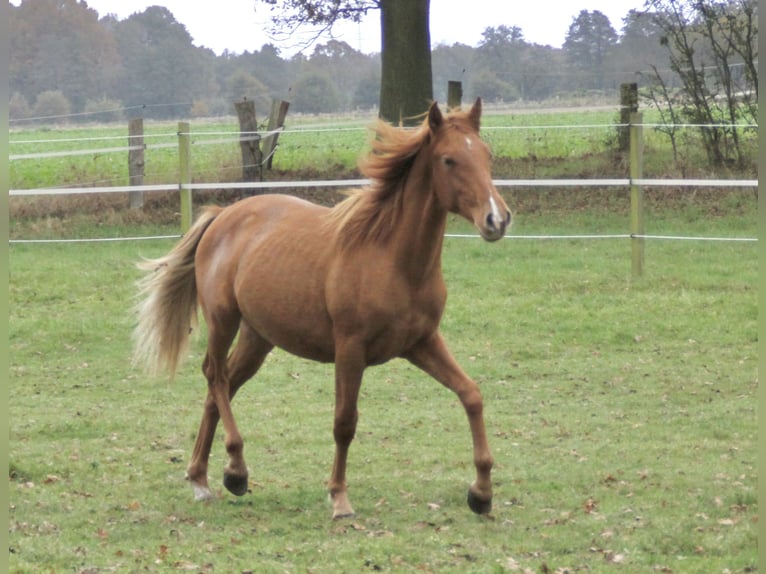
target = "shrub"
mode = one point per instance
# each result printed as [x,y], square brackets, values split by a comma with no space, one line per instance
[52,105]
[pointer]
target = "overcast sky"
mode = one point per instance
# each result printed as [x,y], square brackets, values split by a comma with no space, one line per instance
[241,25]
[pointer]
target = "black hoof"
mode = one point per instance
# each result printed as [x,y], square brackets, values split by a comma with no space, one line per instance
[235,484]
[478,505]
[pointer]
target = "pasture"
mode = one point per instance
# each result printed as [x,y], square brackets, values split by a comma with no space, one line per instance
[522,144]
[621,414]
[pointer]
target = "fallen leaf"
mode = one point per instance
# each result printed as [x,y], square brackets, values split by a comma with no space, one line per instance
[590,505]
[614,558]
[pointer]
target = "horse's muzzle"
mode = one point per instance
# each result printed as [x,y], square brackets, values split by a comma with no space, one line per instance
[495,225]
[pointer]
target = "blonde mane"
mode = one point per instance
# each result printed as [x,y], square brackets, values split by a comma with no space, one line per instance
[370,214]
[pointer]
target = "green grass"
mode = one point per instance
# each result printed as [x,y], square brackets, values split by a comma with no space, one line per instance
[319,150]
[621,414]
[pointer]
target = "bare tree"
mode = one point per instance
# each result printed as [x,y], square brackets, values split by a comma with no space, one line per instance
[406,77]
[709,42]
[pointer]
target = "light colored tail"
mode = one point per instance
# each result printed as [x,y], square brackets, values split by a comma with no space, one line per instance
[167,307]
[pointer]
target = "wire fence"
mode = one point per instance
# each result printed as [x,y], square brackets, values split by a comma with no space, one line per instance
[223,137]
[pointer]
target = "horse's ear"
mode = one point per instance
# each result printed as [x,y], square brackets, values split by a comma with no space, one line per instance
[475,114]
[435,118]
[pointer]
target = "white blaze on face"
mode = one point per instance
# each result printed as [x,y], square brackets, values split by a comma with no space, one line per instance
[497,216]
[468,143]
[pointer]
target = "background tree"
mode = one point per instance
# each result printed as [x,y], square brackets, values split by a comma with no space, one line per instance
[149,58]
[542,69]
[367,90]
[455,62]
[162,68]
[343,64]
[242,84]
[52,105]
[406,87]
[588,42]
[18,107]
[60,45]
[639,47]
[707,41]
[313,93]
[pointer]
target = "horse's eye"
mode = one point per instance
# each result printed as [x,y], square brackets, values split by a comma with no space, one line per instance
[449,162]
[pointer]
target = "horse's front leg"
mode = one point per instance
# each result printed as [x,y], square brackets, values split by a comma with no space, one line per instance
[433,356]
[349,367]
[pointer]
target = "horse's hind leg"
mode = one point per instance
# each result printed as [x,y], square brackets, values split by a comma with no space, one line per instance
[244,362]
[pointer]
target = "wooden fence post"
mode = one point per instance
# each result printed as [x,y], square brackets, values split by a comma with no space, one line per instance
[276,120]
[637,228]
[628,106]
[184,174]
[454,94]
[136,161]
[249,144]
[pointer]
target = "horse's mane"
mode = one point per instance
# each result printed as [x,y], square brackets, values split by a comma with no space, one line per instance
[370,213]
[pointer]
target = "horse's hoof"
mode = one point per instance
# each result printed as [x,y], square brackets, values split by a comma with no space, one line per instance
[235,483]
[341,507]
[201,493]
[478,505]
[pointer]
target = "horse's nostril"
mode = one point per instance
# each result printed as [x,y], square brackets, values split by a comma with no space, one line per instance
[497,223]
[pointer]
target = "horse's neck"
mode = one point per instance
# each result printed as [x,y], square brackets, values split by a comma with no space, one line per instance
[420,233]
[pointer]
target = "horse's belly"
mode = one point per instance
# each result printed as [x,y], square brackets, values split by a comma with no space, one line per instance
[297,335]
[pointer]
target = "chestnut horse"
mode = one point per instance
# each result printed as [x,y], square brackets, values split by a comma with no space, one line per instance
[357,285]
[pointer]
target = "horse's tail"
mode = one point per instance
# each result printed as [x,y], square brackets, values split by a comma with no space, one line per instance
[167,307]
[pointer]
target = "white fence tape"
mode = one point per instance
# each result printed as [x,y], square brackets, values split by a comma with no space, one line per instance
[361,182]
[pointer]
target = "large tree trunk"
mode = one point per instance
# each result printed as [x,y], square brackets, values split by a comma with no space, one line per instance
[406,87]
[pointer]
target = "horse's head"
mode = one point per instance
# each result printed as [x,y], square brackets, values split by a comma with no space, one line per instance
[461,174]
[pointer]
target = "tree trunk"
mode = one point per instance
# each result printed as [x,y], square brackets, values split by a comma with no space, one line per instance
[406,88]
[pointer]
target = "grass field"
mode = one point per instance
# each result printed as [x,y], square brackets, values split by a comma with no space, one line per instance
[621,414]
[332,147]
[621,411]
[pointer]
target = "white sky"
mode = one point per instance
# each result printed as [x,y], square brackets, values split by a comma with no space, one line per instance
[241,25]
